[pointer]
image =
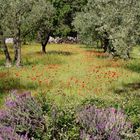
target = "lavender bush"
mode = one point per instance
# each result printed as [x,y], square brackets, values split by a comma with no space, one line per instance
[23,114]
[7,133]
[103,124]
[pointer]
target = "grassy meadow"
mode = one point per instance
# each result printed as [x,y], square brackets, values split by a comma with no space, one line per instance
[70,75]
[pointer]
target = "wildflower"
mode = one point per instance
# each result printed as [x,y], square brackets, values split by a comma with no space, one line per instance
[76,81]
[17,74]
[33,78]
[83,85]
[40,82]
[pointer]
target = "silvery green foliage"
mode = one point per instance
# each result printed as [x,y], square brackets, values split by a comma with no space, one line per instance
[7,133]
[3,10]
[104,124]
[24,15]
[23,114]
[114,20]
[137,24]
[45,23]
[40,17]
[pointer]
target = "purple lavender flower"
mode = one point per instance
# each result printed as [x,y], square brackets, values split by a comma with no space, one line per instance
[3,114]
[23,114]
[103,124]
[10,103]
[9,133]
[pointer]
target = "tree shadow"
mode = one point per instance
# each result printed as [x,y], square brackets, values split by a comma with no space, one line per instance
[64,53]
[135,66]
[8,84]
[127,88]
[133,86]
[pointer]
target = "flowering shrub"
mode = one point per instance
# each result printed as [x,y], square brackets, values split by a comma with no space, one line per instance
[23,114]
[7,133]
[103,124]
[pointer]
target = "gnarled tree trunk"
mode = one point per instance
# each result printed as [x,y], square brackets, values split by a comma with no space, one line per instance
[106,45]
[8,62]
[45,42]
[17,47]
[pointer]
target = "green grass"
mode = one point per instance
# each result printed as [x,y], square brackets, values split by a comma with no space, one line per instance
[71,74]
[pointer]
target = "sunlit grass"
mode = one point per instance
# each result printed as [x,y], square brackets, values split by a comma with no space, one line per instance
[68,74]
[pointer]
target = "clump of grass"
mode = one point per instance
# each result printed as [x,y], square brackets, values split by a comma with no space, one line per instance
[134,66]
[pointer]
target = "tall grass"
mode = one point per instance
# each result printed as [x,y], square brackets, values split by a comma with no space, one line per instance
[71,74]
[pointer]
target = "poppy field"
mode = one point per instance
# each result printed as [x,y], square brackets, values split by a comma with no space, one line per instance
[72,75]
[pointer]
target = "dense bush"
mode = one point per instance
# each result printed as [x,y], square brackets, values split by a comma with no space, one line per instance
[23,114]
[103,124]
[7,133]
[61,124]
[132,108]
[60,120]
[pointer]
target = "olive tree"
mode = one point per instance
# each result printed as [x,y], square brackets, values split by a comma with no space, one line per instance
[110,21]
[45,24]
[60,20]
[20,19]
[3,10]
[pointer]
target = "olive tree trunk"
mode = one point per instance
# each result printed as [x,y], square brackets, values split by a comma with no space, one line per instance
[17,48]
[45,42]
[106,44]
[8,62]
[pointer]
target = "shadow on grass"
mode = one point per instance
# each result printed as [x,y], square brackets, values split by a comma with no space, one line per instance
[64,53]
[131,87]
[135,66]
[8,84]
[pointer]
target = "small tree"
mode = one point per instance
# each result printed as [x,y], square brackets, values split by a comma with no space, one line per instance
[45,24]
[60,20]
[110,21]
[22,18]
[3,10]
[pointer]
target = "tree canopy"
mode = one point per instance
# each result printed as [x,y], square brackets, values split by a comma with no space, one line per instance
[65,12]
[113,22]
[20,18]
